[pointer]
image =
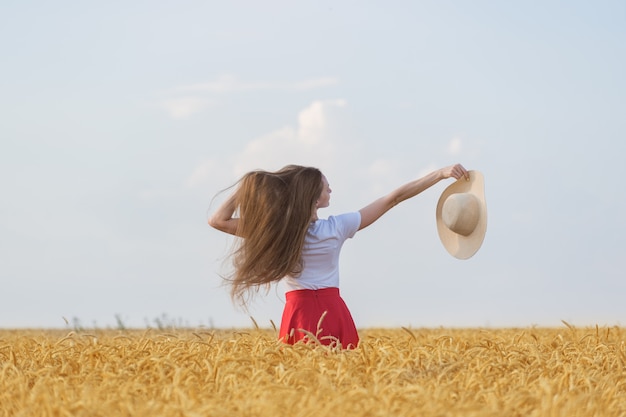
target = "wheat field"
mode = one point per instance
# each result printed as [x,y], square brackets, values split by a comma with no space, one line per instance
[563,371]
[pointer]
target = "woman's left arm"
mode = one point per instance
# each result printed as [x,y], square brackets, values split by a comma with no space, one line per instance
[373,211]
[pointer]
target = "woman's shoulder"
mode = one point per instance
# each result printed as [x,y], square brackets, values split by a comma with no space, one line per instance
[345,217]
[340,218]
[346,223]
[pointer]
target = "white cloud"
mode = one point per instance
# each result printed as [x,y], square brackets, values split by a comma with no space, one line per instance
[183,107]
[269,151]
[180,108]
[228,83]
[310,142]
[381,167]
[454,147]
[381,176]
[312,121]
[427,170]
[201,175]
[313,83]
[224,84]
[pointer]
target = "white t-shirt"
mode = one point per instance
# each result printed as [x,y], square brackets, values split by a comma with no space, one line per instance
[320,255]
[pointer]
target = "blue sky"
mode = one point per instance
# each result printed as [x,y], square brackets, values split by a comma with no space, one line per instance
[123,120]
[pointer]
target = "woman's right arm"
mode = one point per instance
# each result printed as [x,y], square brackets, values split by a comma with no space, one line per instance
[223,219]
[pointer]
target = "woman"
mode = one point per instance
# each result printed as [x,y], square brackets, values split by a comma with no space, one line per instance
[275,214]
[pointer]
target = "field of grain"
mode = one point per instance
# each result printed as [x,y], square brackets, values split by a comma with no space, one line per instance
[395,372]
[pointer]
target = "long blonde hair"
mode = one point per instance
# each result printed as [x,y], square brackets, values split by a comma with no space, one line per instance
[275,210]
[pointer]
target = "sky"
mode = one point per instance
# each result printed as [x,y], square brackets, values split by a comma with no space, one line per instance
[123,121]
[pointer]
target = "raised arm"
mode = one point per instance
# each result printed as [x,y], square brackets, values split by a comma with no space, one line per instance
[373,211]
[223,218]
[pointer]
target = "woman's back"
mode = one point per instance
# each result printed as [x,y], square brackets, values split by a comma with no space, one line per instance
[320,255]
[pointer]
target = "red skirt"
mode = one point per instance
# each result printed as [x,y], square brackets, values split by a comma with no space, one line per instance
[318,313]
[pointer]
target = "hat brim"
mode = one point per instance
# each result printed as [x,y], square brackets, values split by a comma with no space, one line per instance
[459,246]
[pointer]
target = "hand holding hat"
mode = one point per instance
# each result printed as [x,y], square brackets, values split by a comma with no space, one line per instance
[462,216]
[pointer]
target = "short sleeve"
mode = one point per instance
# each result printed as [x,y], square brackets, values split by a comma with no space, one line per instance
[348,224]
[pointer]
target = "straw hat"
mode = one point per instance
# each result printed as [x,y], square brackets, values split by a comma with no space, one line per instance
[462,216]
